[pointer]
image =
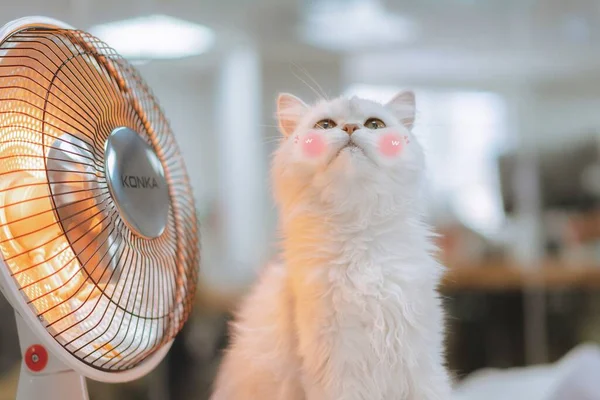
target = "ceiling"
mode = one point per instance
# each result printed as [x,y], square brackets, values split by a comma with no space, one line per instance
[458,41]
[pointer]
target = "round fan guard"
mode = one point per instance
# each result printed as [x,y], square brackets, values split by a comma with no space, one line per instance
[164,256]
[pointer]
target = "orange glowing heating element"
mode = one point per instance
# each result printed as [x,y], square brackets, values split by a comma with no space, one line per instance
[36,250]
[109,350]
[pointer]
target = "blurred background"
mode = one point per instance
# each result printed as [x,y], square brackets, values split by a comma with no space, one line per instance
[508,109]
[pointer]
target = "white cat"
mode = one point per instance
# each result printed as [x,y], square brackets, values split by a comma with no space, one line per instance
[352,310]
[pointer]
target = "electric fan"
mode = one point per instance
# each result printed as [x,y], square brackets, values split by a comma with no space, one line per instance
[98,231]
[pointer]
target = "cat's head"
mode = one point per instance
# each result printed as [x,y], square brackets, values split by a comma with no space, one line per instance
[347,151]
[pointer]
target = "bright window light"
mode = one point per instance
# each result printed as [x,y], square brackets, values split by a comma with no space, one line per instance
[155,37]
[343,25]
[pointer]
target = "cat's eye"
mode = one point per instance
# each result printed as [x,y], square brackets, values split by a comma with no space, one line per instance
[325,124]
[374,123]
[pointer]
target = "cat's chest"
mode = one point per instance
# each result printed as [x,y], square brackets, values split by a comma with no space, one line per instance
[347,295]
[344,315]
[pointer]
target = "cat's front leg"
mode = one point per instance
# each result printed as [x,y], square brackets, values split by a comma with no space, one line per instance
[342,378]
[336,363]
[375,349]
[432,382]
[421,350]
[350,372]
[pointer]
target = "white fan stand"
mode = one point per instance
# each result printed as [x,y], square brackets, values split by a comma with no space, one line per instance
[44,376]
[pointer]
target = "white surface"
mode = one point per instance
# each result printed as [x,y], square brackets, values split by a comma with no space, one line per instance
[574,377]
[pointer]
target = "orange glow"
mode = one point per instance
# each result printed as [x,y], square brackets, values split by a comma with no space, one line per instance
[109,349]
[36,250]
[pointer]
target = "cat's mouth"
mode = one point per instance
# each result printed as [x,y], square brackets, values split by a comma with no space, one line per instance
[350,147]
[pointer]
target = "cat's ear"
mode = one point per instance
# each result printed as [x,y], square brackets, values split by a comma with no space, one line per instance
[289,111]
[403,107]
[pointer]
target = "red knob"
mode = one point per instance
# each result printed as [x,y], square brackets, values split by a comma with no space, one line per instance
[36,358]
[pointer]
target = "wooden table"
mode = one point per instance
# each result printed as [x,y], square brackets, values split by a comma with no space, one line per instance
[498,276]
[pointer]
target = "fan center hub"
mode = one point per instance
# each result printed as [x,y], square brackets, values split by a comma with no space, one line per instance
[137,184]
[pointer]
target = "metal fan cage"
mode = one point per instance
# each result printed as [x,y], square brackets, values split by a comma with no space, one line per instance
[108,296]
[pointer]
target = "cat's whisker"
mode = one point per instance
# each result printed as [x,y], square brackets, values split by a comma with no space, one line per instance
[271,141]
[273,138]
[320,95]
[322,92]
[269,126]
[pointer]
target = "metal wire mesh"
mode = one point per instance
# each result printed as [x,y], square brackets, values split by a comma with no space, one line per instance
[107,296]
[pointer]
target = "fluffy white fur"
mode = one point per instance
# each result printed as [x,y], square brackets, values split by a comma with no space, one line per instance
[352,310]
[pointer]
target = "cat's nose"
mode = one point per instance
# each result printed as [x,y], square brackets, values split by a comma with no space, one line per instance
[350,128]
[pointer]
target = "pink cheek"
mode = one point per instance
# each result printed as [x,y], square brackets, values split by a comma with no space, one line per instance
[391,144]
[313,144]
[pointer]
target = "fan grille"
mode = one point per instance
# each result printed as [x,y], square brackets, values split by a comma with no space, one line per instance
[107,296]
